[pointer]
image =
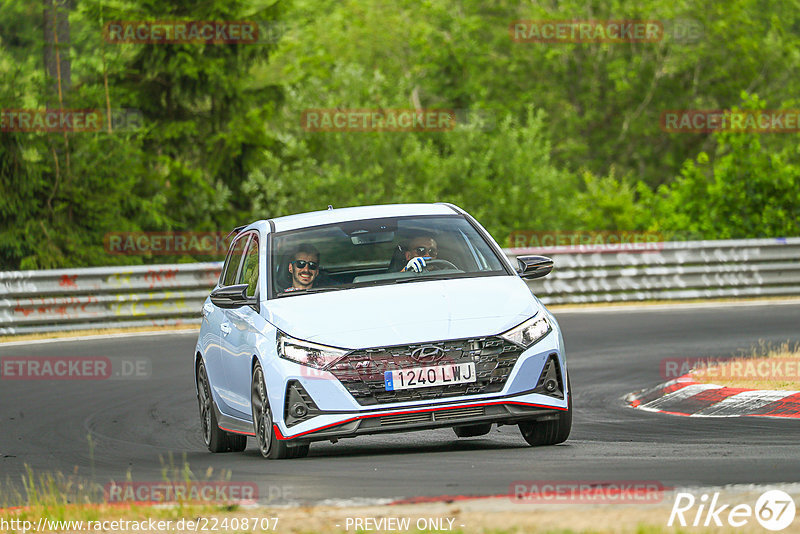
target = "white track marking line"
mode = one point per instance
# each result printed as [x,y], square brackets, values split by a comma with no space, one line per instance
[681,394]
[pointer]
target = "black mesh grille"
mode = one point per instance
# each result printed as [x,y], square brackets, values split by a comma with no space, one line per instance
[361,372]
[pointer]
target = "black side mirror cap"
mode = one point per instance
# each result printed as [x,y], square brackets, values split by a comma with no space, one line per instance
[532,267]
[232,296]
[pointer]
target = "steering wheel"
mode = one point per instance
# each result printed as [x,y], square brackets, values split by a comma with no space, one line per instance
[439,265]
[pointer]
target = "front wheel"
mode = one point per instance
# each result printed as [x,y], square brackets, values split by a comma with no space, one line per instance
[268,443]
[216,439]
[551,432]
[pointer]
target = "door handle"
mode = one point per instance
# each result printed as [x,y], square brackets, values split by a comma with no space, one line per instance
[226,328]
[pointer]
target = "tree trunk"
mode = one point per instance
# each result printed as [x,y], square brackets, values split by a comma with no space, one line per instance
[56,43]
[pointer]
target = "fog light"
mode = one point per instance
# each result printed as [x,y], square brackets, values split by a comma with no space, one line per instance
[299,410]
[550,385]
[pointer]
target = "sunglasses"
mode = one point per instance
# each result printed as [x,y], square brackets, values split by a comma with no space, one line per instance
[427,251]
[301,264]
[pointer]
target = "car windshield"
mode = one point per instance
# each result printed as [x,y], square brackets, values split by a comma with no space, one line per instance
[377,252]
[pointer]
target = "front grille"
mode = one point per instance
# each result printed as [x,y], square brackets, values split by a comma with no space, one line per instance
[458,413]
[438,415]
[361,371]
[406,418]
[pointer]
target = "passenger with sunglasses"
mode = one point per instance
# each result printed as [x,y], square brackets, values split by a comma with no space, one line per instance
[418,250]
[304,267]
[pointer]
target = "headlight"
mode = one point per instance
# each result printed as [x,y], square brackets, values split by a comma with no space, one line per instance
[529,332]
[307,353]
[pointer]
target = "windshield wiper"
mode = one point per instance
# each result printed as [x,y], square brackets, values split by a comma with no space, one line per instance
[423,278]
[321,289]
[310,290]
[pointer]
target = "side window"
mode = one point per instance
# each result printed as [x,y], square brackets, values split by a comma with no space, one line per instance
[249,272]
[233,260]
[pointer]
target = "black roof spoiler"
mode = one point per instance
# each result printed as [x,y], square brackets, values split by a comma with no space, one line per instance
[235,231]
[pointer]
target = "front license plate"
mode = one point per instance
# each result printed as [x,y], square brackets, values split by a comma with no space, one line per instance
[423,377]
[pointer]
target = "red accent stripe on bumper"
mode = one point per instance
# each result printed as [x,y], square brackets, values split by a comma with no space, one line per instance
[279,435]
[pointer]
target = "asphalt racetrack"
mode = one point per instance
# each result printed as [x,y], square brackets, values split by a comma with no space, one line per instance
[139,426]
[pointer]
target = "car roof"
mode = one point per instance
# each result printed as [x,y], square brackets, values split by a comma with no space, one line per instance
[330,216]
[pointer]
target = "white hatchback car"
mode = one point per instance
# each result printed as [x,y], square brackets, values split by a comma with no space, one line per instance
[374,319]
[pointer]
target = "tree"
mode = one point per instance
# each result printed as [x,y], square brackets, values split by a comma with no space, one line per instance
[745,191]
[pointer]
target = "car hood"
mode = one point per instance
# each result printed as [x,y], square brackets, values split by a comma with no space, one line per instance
[398,314]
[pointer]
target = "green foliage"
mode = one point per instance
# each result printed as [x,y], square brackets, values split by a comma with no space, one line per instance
[180,168]
[745,191]
[608,203]
[603,100]
[569,136]
[499,172]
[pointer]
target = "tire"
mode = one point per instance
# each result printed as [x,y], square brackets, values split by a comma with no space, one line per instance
[270,446]
[552,432]
[471,431]
[216,439]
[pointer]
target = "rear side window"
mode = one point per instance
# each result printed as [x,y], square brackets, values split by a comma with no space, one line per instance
[249,272]
[232,262]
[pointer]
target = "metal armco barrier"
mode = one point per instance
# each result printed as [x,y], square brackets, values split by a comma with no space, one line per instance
[103,297]
[669,271]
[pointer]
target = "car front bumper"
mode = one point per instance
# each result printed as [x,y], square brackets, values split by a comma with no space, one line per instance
[508,410]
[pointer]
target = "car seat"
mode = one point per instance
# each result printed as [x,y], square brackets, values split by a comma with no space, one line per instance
[398,261]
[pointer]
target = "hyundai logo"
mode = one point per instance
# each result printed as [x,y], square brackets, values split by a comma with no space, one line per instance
[427,354]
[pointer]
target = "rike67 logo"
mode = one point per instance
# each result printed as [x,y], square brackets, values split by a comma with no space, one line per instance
[774,510]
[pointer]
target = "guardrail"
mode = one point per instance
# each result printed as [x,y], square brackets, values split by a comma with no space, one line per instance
[669,271]
[103,297]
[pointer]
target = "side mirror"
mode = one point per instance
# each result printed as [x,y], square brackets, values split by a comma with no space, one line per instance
[531,267]
[232,296]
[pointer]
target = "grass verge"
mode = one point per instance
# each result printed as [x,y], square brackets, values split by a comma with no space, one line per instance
[500,516]
[48,502]
[765,367]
